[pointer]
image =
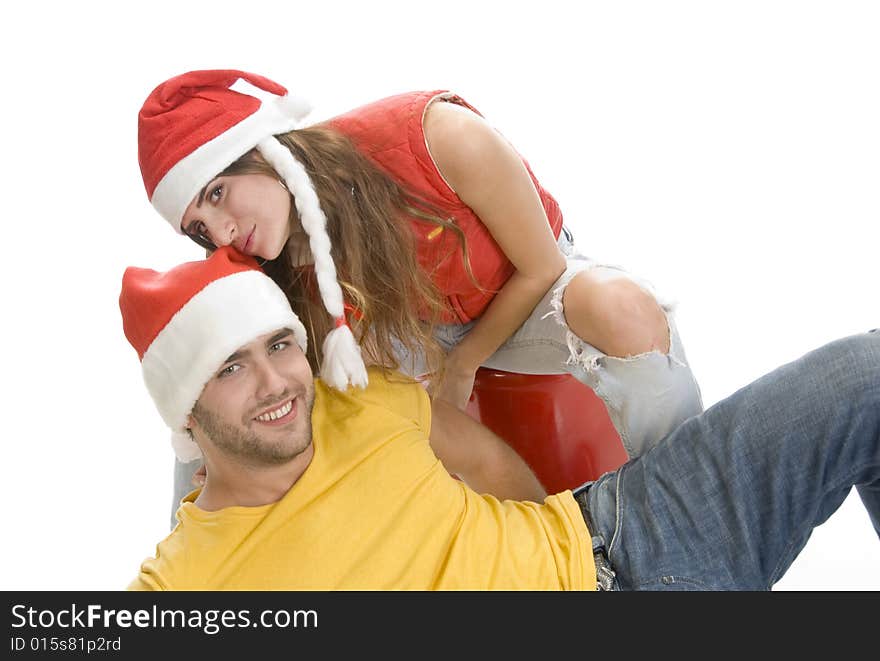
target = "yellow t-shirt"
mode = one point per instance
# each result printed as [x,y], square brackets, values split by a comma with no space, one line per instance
[375,510]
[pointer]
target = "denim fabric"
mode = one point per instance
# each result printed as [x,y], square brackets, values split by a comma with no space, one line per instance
[730,497]
[182,484]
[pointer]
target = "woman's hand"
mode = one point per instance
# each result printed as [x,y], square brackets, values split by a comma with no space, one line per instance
[457,383]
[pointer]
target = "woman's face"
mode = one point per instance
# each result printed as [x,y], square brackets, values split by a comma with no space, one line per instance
[249,211]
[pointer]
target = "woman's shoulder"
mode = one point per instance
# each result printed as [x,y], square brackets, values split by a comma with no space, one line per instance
[450,120]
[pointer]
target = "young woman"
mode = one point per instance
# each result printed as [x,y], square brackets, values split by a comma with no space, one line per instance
[450,253]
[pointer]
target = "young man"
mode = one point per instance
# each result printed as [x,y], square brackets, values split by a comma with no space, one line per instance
[311,488]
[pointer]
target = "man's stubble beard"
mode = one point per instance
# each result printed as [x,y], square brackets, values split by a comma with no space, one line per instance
[247,445]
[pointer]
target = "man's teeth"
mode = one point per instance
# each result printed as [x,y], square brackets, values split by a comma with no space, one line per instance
[277,413]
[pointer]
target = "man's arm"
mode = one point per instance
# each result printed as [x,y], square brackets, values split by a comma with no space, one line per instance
[481,459]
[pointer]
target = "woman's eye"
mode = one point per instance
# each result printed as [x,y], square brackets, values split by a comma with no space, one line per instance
[216,193]
[199,233]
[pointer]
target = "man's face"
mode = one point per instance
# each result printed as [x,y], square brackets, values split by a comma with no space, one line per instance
[257,408]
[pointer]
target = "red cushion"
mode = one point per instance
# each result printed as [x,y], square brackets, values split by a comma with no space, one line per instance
[556,424]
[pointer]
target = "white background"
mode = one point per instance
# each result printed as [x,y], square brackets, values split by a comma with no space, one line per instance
[727,151]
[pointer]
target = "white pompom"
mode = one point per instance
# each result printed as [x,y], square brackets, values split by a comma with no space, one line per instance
[343,364]
[185,447]
[297,107]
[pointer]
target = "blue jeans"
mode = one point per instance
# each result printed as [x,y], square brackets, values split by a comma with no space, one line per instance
[730,497]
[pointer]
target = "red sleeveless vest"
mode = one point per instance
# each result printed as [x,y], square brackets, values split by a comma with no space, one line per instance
[390,133]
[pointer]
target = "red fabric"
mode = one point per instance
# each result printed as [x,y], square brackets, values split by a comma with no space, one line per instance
[578,441]
[187,111]
[149,299]
[390,133]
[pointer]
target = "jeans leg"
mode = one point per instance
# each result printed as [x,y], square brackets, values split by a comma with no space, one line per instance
[730,497]
[182,484]
[646,396]
[870,495]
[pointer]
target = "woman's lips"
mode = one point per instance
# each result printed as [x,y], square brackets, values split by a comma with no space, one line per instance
[247,244]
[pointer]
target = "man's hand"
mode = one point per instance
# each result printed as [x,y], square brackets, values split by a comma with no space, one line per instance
[198,478]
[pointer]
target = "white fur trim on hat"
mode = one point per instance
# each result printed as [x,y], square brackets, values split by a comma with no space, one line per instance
[185,448]
[189,349]
[180,185]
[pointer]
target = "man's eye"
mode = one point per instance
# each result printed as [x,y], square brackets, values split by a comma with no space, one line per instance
[278,346]
[228,370]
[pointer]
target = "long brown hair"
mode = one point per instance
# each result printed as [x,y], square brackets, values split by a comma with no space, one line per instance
[368,222]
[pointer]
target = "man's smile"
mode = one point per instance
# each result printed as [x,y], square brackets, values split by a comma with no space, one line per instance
[279,415]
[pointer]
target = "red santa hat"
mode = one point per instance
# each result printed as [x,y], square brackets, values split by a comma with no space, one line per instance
[184,324]
[192,126]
